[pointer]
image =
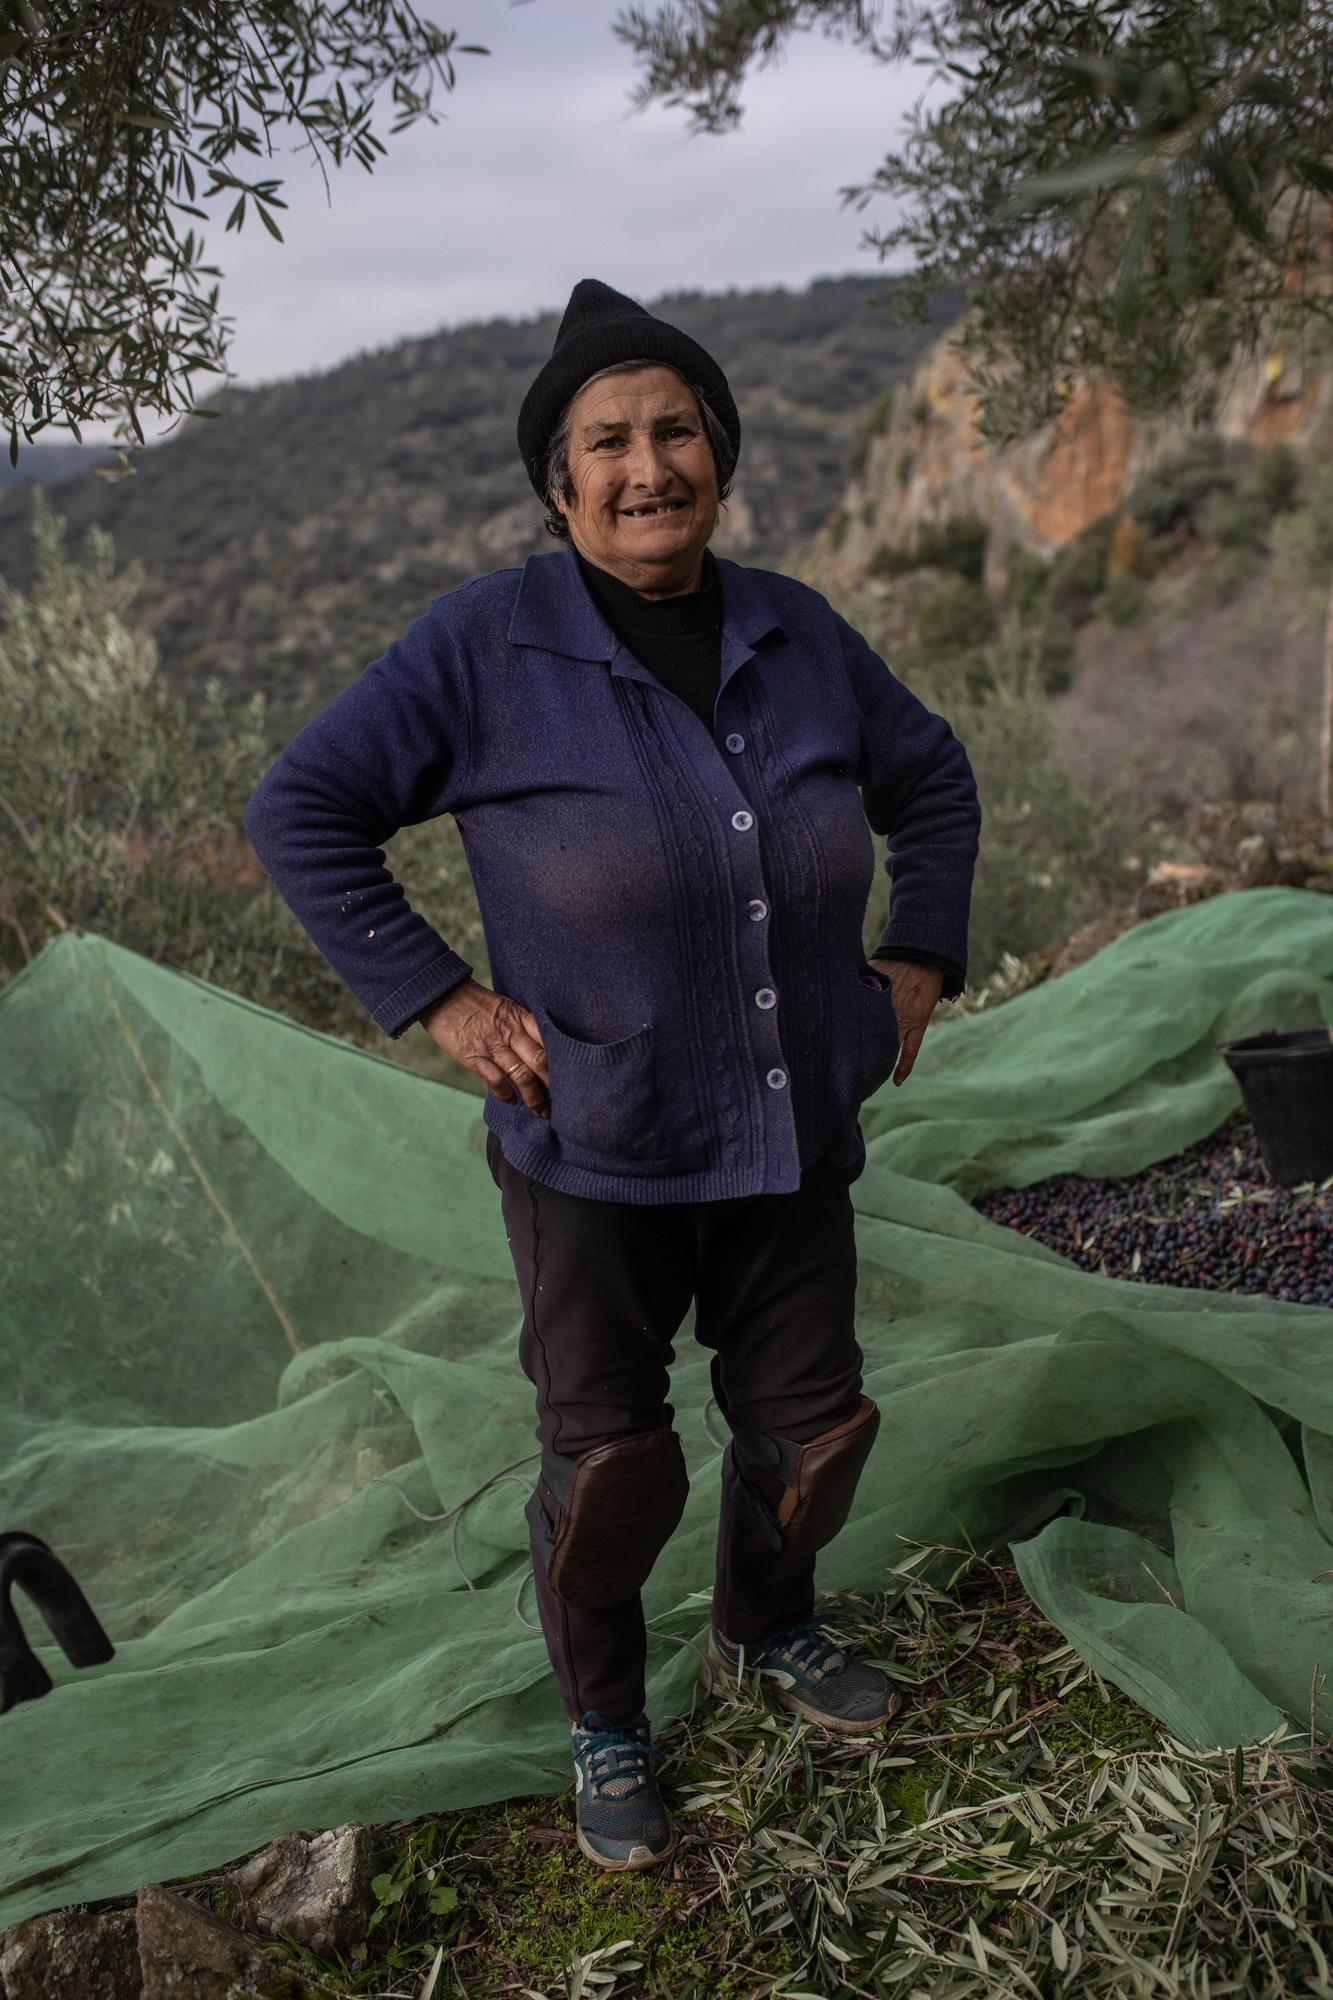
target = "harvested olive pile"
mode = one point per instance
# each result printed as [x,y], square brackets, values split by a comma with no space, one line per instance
[1207,1219]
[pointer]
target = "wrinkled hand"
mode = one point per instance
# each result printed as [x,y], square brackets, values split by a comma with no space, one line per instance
[916,990]
[497,1038]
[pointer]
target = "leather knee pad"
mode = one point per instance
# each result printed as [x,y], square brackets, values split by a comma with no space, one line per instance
[616,1507]
[801,1494]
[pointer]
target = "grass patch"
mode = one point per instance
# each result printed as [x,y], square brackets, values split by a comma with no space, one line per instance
[1022,1828]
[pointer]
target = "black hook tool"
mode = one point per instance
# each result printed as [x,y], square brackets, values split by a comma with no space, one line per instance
[26,1560]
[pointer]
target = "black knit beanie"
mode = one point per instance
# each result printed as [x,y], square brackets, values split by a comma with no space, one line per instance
[602,326]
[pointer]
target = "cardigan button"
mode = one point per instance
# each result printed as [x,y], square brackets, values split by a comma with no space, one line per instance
[742,821]
[777,1079]
[735,742]
[758,910]
[765,997]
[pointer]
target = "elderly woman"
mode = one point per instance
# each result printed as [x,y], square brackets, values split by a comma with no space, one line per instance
[662,765]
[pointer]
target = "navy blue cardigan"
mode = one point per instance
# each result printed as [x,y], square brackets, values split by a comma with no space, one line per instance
[681,909]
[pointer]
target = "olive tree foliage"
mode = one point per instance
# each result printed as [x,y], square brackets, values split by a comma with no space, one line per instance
[121,805]
[1134,190]
[98,757]
[122,124]
[1140,190]
[113,799]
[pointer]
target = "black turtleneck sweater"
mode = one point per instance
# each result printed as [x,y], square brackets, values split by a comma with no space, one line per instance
[679,640]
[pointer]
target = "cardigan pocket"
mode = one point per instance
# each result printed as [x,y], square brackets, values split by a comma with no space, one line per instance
[880,1038]
[605,1104]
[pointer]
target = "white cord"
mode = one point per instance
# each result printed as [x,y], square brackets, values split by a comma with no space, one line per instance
[720,1443]
[528,1576]
[508,1475]
[385,1480]
[500,1479]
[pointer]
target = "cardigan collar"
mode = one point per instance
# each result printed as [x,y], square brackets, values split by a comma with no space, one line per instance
[556,611]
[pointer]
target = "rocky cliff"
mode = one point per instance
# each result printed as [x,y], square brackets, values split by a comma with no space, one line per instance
[926,464]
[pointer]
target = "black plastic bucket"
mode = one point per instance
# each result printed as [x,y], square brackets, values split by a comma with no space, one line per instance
[1287,1083]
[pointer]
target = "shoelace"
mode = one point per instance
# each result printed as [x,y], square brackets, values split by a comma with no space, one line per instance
[808,1645]
[616,1761]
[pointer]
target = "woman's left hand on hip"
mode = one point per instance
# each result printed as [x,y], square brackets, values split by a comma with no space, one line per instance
[916,991]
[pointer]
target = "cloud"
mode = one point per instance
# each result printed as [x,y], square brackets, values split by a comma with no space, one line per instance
[537,175]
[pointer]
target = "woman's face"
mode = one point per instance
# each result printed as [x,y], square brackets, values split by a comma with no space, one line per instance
[645,496]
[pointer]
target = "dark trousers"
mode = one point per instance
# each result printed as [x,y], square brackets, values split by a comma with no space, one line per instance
[605,1286]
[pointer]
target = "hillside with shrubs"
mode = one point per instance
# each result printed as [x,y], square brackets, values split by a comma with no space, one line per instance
[1141,702]
[1127,623]
[285,541]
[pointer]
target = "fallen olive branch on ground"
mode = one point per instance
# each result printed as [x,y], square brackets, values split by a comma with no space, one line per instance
[1025,1830]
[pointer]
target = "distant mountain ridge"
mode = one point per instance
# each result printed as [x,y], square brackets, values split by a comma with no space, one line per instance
[51,465]
[287,541]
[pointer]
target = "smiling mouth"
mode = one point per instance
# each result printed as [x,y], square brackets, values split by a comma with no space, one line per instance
[654,507]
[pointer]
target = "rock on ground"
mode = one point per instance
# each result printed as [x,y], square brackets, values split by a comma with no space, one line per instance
[314,1887]
[91,1953]
[185,1953]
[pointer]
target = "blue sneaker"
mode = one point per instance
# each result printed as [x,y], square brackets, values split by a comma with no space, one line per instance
[808,1673]
[619,1814]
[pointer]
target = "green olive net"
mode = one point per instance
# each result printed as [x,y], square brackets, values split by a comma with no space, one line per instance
[258,1333]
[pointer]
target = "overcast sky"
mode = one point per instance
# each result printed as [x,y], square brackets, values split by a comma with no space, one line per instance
[539,174]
